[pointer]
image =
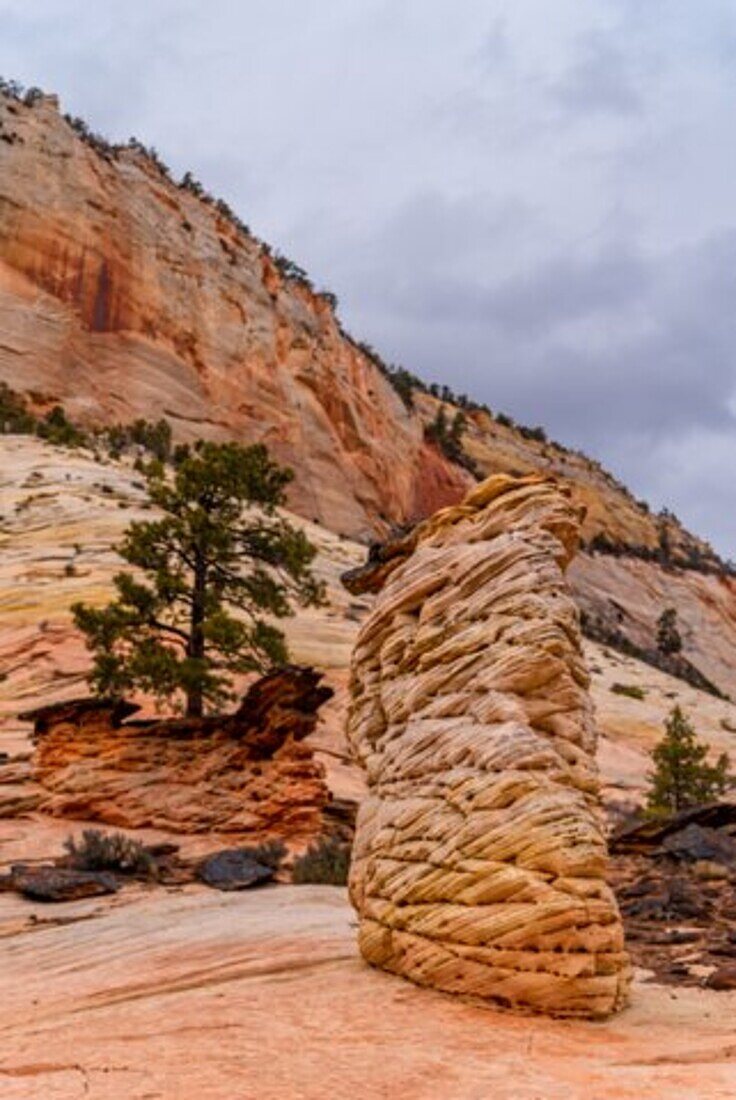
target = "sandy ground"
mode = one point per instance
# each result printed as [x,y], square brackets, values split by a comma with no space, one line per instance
[262,996]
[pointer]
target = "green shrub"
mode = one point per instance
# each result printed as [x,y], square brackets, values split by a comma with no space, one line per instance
[55,428]
[631,691]
[14,416]
[98,851]
[271,853]
[448,435]
[325,862]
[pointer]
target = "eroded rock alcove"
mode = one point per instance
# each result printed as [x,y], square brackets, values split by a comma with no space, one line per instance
[480,852]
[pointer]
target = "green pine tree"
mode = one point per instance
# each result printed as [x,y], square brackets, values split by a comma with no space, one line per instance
[682,777]
[669,640]
[457,428]
[220,544]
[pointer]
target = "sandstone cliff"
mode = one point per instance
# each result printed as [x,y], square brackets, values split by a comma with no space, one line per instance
[480,852]
[123,294]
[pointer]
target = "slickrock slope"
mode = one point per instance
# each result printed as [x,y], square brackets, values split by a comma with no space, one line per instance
[246,774]
[628,595]
[480,853]
[203,994]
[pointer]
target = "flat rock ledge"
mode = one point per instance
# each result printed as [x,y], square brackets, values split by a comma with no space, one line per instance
[480,854]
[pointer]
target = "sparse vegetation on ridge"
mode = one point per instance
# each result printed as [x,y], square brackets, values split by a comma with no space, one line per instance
[140,437]
[448,437]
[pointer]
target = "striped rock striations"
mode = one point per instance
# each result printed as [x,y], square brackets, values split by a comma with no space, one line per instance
[480,851]
[248,774]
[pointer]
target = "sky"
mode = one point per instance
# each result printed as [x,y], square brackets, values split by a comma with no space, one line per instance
[532,201]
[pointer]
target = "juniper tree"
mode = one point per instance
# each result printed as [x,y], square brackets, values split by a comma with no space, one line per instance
[219,546]
[682,776]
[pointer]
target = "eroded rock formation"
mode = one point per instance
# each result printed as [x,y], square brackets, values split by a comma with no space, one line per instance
[249,773]
[480,853]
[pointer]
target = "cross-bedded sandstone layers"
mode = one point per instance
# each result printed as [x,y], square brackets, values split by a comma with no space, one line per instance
[248,773]
[480,853]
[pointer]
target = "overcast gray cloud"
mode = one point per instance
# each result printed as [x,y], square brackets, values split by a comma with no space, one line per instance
[531,201]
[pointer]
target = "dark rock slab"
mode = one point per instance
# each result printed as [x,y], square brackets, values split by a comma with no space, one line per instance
[46,883]
[233,869]
[644,836]
[664,899]
[283,704]
[697,842]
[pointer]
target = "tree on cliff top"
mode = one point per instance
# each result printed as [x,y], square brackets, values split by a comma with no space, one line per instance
[220,544]
[682,777]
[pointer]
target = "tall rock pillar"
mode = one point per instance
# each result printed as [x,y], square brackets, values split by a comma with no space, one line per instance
[480,851]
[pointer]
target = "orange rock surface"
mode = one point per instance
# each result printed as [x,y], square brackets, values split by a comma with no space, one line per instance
[247,774]
[188,994]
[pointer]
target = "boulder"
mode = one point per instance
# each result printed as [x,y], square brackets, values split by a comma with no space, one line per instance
[233,869]
[644,836]
[723,978]
[48,883]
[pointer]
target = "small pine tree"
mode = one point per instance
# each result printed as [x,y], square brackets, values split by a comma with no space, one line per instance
[219,545]
[682,777]
[436,432]
[669,640]
[457,428]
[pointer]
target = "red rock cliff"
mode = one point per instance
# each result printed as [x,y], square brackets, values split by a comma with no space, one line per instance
[123,295]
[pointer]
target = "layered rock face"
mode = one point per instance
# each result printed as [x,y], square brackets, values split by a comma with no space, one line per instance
[480,853]
[122,295]
[248,774]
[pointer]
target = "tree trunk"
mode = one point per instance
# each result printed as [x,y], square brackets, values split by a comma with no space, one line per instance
[195,648]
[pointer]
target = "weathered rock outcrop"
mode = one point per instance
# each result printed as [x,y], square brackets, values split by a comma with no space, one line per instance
[248,774]
[480,853]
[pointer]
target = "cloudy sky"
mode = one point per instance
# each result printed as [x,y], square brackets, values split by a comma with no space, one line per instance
[533,200]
